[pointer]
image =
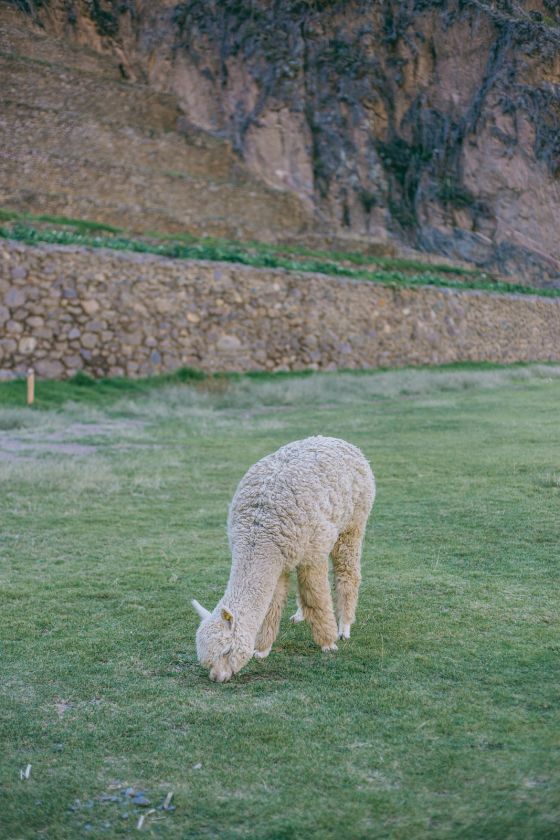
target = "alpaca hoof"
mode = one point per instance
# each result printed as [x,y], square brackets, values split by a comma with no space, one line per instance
[329,648]
[297,617]
[261,654]
[343,631]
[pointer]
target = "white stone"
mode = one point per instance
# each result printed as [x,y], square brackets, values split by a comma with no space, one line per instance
[27,344]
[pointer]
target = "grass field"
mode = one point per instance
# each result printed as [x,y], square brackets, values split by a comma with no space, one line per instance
[440,718]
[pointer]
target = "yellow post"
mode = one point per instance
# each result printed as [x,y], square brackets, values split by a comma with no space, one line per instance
[30,386]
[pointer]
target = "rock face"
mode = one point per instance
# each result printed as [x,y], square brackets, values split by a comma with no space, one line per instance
[67,309]
[435,123]
[431,122]
[77,140]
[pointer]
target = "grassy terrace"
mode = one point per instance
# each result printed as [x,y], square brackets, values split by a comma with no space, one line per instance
[438,719]
[387,270]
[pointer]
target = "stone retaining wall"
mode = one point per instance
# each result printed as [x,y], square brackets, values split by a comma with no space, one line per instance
[64,309]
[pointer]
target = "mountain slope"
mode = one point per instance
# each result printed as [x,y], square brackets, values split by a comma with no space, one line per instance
[432,123]
[76,139]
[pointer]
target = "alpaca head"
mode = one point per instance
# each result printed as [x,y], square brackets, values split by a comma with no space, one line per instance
[220,646]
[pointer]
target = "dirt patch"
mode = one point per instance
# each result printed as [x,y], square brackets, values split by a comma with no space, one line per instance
[29,445]
[14,448]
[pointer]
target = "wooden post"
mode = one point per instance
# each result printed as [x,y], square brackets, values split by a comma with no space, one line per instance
[30,386]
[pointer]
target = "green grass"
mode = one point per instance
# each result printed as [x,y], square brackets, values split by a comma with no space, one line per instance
[390,271]
[438,719]
[83,388]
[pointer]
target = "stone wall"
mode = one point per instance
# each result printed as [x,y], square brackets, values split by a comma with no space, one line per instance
[64,309]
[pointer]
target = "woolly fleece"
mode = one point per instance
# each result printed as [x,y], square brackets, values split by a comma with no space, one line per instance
[292,509]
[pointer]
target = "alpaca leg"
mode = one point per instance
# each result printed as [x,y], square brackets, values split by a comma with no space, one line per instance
[269,628]
[346,565]
[298,615]
[316,602]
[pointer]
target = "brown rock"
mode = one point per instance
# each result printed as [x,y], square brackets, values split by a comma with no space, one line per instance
[164,306]
[89,340]
[90,306]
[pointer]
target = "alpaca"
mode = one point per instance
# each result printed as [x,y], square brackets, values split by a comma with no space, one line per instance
[292,509]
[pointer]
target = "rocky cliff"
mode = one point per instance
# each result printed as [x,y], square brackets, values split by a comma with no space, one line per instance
[434,123]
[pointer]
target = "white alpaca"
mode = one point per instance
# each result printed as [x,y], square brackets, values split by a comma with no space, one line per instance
[291,510]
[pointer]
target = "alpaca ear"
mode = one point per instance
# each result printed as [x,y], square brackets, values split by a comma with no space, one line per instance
[227,617]
[200,610]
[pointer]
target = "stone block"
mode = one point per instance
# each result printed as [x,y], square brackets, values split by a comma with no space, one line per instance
[49,368]
[229,343]
[89,340]
[90,306]
[14,297]
[27,344]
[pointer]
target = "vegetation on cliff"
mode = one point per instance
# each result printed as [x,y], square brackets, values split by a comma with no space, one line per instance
[390,271]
